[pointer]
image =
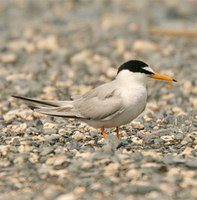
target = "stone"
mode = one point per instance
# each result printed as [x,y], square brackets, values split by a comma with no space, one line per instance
[179,136]
[68,196]
[77,135]
[112,168]
[4,150]
[79,190]
[186,140]
[167,138]
[133,173]
[186,151]
[46,150]
[60,160]
[50,125]
[34,158]
[19,160]
[144,45]
[8,57]
[49,43]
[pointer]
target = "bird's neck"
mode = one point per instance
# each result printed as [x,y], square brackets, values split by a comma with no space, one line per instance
[126,78]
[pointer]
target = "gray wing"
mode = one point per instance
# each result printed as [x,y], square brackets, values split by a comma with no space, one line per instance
[101,103]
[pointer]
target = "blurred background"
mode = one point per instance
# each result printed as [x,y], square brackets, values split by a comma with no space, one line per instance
[60,48]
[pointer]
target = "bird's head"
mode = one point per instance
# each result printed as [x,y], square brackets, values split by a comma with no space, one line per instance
[138,71]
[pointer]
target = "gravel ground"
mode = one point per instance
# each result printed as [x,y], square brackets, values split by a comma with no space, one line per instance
[55,49]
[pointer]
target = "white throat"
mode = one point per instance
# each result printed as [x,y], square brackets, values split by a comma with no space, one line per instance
[126,77]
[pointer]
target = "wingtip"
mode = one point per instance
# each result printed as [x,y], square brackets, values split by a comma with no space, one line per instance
[17,97]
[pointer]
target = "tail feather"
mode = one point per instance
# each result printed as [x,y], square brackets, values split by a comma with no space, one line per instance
[44,102]
[59,112]
[56,108]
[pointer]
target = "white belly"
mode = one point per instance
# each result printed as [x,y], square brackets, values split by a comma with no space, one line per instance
[134,103]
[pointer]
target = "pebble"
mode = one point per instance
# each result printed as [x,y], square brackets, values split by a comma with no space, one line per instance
[136,140]
[179,136]
[24,147]
[186,140]
[191,163]
[46,150]
[49,43]
[8,57]
[33,158]
[187,151]
[111,168]
[4,150]
[138,125]
[79,190]
[133,173]
[77,135]
[19,160]
[69,196]
[81,57]
[167,138]
[60,160]
[144,45]
[50,125]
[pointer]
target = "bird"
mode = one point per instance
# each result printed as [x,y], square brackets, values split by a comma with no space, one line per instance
[109,105]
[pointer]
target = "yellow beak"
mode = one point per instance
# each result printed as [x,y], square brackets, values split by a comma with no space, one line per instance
[162,77]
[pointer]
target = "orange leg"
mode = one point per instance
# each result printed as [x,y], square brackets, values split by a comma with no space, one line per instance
[117,133]
[103,131]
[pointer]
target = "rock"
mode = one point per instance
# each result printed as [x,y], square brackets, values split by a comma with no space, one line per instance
[186,140]
[60,172]
[43,168]
[19,160]
[86,166]
[167,138]
[150,153]
[4,150]
[111,72]
[24,147]
[68,196]
[33,158]
[50,125]
[138,125]
[9,115]
[159,141]
[191,162]
[133,173]
[46,150]
[16,142]
[144,45]
[49,43]
[178,110]
[193,101]
[77,135]
[187,151]
[141,189]
[60,160]
[112,168]
[136,140]
[179,136]
[79,190]
[50,160]
[8,57]
[81,57]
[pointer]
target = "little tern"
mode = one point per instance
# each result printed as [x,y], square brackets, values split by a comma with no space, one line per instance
[109,105]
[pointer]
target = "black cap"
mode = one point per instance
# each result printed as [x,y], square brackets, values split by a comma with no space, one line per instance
[135,66]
